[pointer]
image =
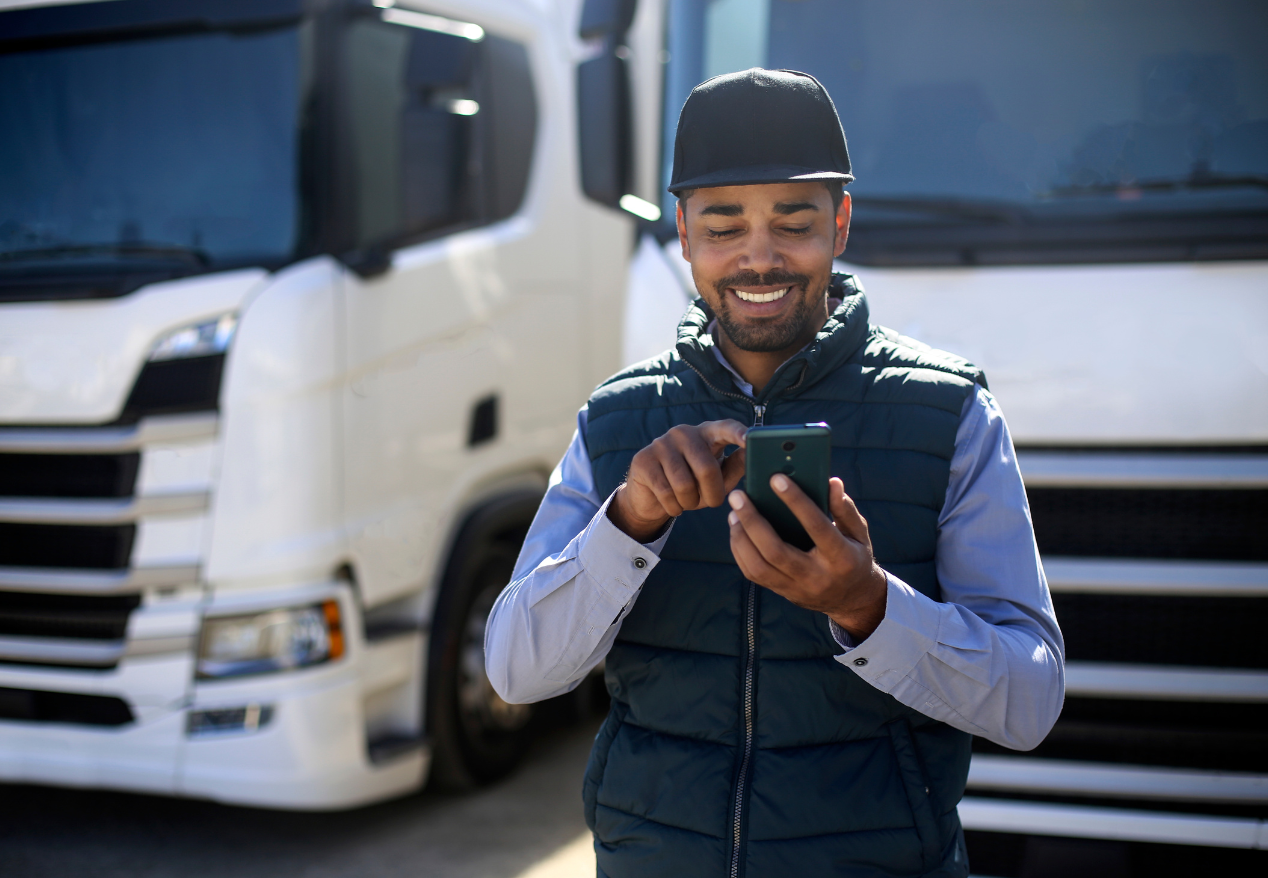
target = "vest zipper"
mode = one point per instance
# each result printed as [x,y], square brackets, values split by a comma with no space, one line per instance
[718,390]
[759,411]
[750,657]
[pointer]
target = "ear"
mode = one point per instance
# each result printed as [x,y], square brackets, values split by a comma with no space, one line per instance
[682,232]
[843,225]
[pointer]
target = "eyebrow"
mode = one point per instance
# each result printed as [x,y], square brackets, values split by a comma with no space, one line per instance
[722,210]
[784,208]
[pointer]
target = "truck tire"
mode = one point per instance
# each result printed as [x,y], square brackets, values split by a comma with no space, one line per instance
[476,737]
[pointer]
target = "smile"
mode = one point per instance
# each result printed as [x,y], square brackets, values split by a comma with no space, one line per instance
[762,297]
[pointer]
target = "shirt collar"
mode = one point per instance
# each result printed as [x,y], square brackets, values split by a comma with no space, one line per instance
[744,387]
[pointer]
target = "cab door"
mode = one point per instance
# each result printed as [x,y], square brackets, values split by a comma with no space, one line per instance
[461,311]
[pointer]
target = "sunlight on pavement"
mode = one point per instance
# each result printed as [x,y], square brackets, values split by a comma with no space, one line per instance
[573,860]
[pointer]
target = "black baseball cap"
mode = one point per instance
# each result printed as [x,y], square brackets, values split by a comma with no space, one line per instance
[758,126]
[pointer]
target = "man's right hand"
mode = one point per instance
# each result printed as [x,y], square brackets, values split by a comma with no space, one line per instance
[680,471]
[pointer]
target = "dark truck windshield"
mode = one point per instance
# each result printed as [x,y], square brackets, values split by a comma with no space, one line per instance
[989,131]
[129,154]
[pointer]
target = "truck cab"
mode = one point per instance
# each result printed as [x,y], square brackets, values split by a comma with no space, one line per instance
[298,301]
[1074,196]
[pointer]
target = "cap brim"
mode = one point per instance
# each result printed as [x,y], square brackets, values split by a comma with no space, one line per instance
[753,176]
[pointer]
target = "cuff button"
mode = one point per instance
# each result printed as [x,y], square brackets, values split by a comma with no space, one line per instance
[640,563]
[860,662]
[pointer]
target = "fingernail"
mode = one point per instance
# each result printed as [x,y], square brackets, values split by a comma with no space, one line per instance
[780,482]
[732,519]
[736,499]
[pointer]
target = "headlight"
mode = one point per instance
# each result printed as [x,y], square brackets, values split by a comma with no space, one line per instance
[196,340]
[276,640]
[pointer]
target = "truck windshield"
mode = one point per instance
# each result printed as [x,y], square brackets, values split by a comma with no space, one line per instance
[999,124]
[179,149]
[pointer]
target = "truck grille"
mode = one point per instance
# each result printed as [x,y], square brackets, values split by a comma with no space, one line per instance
[1220,632]
[72,518]
[96,547]
[1158,563]
[1215,524]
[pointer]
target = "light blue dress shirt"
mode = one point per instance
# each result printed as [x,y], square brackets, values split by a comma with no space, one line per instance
[988,659]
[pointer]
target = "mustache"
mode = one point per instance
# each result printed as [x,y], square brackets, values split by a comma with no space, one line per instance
[776,277]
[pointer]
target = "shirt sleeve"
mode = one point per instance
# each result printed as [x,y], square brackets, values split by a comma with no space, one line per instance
[576,579]
[989,659]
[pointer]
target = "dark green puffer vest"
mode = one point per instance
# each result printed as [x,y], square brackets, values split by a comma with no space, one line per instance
[736,744]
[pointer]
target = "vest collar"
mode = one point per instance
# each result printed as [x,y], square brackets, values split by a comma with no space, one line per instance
[842,335]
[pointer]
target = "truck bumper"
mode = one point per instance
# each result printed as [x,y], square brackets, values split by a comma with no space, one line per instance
[301,739]
[310,752]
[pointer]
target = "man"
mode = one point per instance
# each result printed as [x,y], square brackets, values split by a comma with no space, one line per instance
[778,712]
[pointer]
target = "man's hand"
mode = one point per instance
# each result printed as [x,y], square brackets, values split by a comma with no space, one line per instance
[680,471]
[838,577]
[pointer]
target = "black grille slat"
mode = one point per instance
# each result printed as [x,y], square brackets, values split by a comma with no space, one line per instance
[68,475]
[35,705]
[1220,632]
[95,547]
[190,384]
[89,617]
[1194,734]
[1037,856]
[1222,524]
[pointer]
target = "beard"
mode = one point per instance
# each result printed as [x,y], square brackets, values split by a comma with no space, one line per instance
[775,334]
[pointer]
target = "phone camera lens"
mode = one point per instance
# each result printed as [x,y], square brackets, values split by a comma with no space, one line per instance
[789,446]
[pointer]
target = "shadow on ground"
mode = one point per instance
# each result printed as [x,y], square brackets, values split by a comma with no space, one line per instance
[497,832]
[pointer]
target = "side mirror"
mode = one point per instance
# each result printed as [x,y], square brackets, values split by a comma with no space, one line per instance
[604,113]
[603,120]
[601,18]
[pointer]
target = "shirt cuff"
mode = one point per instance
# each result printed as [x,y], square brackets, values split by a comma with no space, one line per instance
[614,558]
[906,634]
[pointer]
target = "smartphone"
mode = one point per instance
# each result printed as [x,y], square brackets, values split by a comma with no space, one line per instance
[800,451]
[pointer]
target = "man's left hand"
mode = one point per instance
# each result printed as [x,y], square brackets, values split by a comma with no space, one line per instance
[838,577]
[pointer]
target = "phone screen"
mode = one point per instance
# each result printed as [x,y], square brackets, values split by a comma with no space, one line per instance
[802,452]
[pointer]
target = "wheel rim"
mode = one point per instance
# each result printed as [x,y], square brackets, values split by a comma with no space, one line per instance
[482,709]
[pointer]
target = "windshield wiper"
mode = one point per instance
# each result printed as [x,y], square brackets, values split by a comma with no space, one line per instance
[1199,179]
[959,208]
[144,252]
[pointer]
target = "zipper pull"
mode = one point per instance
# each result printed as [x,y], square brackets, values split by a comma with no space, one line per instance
[759,415]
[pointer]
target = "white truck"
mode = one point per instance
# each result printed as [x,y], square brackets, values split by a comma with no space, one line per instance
[298,301]
[284,362]
[1074,195]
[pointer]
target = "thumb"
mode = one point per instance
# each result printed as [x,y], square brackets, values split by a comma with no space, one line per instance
[845,513]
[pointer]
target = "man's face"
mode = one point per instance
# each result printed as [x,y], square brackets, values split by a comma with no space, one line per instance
[761,256]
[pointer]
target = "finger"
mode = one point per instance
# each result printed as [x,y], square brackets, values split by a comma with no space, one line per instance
[654,480]
[679,475]
[752,563]
[846,515]
[705,468]
[772,547]
[812,518]
[720,434]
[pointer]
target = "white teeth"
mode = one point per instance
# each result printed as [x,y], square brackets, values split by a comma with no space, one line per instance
[762,297]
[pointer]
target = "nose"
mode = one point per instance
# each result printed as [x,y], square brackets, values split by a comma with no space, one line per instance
[761,252]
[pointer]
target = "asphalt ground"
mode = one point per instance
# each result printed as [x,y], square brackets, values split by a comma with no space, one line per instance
[527,826]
